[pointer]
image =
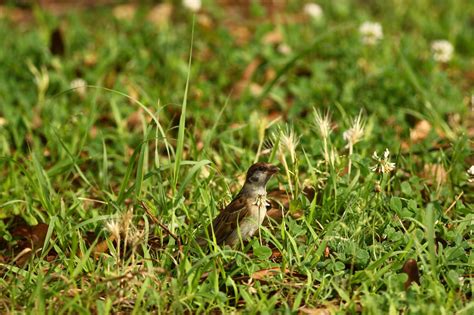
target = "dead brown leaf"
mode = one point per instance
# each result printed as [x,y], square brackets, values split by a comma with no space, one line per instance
[279,198]
[276,255]
[93,132]
[33,235]
[110,78]
[297,213]
[241,34]
[309,192]
[160,14]
[273,37]
[36,120]
[411,269]
[15,15]
[30,238]
[435,174]
[327,252]
[90,59]
[247,74]
[314,311]
[102,247]
[420,131]
[270,74]
[205,21]
[255,89]
[124,11]
[275,214]
[134,120]
[279,202]
[268,273]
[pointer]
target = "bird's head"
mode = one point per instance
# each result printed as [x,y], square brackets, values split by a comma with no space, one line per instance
[259,174]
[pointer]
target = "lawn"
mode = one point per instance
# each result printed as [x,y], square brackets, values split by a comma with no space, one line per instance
[124,129]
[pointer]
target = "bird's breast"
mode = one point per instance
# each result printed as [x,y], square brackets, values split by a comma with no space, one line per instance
[258,208]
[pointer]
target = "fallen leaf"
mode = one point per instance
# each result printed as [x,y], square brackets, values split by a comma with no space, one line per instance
[93,132]
[420,131]
[279,202]
[36,120]
[276,254]
[110,78]
[273,37]
[90,59]
[411,269]
[314,311]
[255,89]
[270,74]
[15,14]
[275,214]
[247,74]
[103,246]
[434,174]
[279,198]
[160,14]
[309,192]
[124,11]
[268,273]
[327,252]
[35,234]
[205,21]
[29,239]
[241,34]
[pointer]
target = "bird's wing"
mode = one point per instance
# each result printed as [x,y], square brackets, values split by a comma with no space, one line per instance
[226,222]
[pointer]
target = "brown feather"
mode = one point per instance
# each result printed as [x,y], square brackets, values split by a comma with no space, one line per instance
[228,219]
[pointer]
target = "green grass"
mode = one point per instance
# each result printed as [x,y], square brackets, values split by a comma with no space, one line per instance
[174,130]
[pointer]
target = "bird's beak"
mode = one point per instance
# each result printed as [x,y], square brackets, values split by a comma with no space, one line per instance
[273,169]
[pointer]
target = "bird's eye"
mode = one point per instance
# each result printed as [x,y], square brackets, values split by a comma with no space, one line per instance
[261,168]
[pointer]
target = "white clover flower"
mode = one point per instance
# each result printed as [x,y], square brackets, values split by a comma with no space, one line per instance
[383,165]
[356,132]
[3,121]
[371,33]
[442,50]
[79,86]
[323,123]
[313,10]
[470,173]
[192,5]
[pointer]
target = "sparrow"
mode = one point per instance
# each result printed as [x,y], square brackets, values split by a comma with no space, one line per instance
[244,215]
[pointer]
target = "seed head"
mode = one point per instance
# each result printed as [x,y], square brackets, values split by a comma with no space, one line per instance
[113,226]
[356,132]
[289,141]
[323,123]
